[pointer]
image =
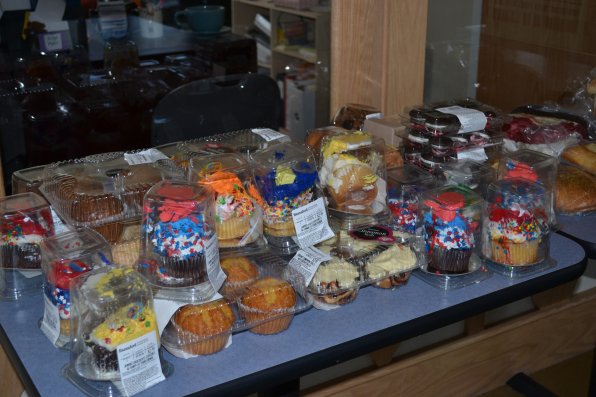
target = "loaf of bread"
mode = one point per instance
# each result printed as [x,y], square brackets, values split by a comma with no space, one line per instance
[575,191]
[584,156]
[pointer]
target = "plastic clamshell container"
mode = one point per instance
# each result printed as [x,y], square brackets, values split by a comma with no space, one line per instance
[352,174]
[112,308]
[265,304]
[452,225]
[286,179]
[101,191]
[335,283]
[404,187]
[178,243]
[27,180]
[315,136]
[515,230]
[474,175]
[351,116]
[25,220]
[64,257]
[238,218]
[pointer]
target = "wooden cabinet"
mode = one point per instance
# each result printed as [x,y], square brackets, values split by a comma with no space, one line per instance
[282,55]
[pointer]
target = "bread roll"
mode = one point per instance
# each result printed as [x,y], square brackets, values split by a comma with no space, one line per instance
[584,156]
[575,191]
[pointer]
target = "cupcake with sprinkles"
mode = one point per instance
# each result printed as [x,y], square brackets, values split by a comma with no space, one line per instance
[285,180]
[177,224]
[451,218]
[515,231]
[237,219]
[25,220]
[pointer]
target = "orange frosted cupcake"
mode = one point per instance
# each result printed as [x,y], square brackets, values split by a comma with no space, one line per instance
[240,272]
[268,298]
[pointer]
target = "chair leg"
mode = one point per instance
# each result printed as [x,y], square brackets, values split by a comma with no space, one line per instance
[527,386]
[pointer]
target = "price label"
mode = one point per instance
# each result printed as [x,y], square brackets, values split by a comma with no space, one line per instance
[311,224]
[268,134]
[216,275]
[144,157]
[470,119]
[307,261]
[52,41]
[477,154]
[50,324]
[138,361]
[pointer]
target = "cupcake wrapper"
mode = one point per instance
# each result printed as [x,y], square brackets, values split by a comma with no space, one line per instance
[282,229]
[191,271]
[232,228]
[208,346]
[22,256]
[512,254]
[280,320]
[448,261]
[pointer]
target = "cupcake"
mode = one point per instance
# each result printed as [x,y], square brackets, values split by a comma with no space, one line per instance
[176,227]
[25,220]
[392,267]
[335,282]
[451,219]
[268,303]
[286,180]
[241,272]
[517,223]
[235,212]
[204,329]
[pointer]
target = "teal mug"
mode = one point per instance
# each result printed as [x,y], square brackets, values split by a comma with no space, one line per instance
[201,19]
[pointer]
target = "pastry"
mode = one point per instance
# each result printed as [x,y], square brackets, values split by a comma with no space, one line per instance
[25,220]
[517,223]
[241,272]
[205,328]
[268,298]
[392,267]
[335,282]
[575,191]
[126,253]
[584,156]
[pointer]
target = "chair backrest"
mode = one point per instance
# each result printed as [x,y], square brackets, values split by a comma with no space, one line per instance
[216,105]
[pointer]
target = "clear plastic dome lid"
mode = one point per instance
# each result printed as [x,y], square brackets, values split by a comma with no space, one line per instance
[530,165]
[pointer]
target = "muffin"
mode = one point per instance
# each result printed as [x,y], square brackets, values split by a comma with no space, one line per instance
[268,298]
[392,267]
[240,272]
[205,328]
[335,282]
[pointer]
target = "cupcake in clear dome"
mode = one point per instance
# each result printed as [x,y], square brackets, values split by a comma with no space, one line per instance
[516,230]
[177,225]
[238,220]
[451,217]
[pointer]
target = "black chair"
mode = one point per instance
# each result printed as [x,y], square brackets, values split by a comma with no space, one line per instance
[216,105]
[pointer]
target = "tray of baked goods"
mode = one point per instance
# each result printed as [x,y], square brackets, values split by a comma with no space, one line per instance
[372,255]
[261,294]
[105,191]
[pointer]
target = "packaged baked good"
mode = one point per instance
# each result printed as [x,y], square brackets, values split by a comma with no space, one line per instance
[115,333]
[27,180]
[475,175]
[352,174]
[315,136]
[286,179]
[390,265]
[575,191]
[64,257]
[238,220]
[25,221]
[336,282]
[240,272]
[351,116]
[582,155]
[515,229]
[451,216]
[102,191]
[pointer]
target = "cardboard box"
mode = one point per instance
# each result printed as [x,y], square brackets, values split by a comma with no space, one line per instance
[385,128]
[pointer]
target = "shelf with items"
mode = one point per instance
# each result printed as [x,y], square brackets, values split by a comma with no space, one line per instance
[295,37]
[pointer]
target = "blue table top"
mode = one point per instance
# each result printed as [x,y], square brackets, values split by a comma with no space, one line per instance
[315,339]
[581,229]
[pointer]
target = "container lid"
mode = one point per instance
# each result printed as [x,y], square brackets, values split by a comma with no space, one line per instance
[75,244]
[463,170]
[20,204]
[283,153]
[447,200]
[408,175]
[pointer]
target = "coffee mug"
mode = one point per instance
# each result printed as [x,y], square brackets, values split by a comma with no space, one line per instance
[201,19]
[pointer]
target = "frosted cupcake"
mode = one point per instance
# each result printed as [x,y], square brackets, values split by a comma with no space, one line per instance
[451,223]
[335,282]
[516,227]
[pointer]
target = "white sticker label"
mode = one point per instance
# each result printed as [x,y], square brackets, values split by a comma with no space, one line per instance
[470,119]
[144,157]
[374,116]
[50,324]
[307,261]
[53,42]
[139,364]
[268,134]
[216,275]
[473,154]
[311,224]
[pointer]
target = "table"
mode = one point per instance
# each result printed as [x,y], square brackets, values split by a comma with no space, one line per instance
[581,229]
[315,340]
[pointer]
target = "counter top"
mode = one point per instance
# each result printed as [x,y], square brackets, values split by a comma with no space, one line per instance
[315,340]
[581,229]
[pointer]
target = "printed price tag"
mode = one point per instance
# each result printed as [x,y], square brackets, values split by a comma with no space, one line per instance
[216,275]
[477,154]
[139,364]
[307,261]
[470,119]
[50,324]
[311,224]
[268,134]
[144,156]
[52,42]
